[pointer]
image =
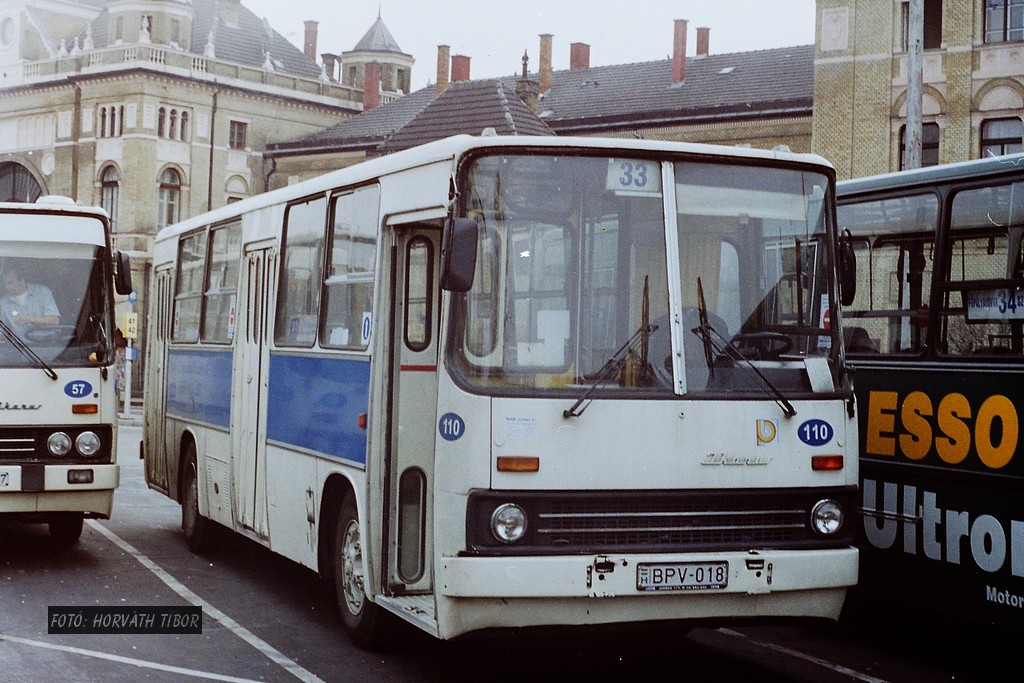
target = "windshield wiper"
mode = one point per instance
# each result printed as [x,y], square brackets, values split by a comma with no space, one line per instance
[19,343]
[705,331]
[610,369]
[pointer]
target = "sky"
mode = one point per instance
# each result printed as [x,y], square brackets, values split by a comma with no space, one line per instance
[494,35]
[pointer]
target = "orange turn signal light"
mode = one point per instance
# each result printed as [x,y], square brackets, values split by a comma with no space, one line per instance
[826,463]
[85,409]
[362,420]
[518,463]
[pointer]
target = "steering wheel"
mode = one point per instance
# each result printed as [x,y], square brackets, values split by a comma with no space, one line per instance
[763,345]
[50,333]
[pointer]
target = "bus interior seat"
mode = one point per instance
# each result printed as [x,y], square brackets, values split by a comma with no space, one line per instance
[857,340]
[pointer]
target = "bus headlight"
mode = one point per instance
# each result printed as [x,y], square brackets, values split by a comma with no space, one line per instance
[508,523]
[87,444]
[59,444]
[827,517]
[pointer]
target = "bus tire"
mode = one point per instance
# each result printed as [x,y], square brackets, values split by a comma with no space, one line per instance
[66,529]
[198,529]
[360,617]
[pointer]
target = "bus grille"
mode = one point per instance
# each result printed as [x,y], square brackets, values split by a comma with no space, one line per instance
[670,521]
[17,444]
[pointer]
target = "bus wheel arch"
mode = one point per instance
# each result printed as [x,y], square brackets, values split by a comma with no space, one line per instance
[199,530]
[364,621]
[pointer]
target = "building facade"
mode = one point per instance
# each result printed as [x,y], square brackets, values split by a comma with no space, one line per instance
[973,82]
[154,109]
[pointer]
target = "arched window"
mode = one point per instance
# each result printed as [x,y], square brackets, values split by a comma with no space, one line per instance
[161,123]
[17,184]
[169,200]
[185,134]
[109,186]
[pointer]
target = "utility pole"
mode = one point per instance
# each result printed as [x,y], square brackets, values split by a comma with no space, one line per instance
[915,78]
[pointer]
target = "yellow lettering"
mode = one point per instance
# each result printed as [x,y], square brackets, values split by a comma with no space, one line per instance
[954,410]
[996,456]
[881,419]
[916,443]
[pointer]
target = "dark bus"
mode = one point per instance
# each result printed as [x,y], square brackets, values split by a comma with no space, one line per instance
[936,334]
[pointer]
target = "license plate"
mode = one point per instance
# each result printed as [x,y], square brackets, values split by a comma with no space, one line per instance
[682,576]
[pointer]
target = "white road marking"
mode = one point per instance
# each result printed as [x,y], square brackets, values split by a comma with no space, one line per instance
[126,660]
[224,620]
[838,668]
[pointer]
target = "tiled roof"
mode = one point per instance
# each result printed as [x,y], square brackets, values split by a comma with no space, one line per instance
[716,87]
[742,85]
[366,131]
[469,107]
[378,39]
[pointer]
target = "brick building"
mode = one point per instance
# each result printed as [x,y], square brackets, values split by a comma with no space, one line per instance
[973,75]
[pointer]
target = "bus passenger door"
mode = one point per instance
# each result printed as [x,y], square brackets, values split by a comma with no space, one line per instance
[413,388]
[156,400]
[249,411]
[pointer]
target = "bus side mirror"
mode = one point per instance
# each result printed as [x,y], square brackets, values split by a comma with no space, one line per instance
[847,268]
[458,254]
[122,273]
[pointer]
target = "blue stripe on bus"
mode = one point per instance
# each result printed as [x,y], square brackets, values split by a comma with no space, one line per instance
[315,402]
[199,386]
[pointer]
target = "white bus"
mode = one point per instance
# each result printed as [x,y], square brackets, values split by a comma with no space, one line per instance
[519,381]
[58,408]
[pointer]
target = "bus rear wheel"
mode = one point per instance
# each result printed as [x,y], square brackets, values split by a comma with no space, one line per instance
[66,529]
[360,617]
[198,529]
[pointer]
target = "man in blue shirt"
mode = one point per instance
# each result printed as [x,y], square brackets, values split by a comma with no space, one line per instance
[25,305]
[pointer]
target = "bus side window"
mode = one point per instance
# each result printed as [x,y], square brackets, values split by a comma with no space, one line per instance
[298,301]
[188,294]
[222,283]
[987,225]
[348,288]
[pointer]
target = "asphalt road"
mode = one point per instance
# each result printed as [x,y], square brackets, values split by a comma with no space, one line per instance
[268,619]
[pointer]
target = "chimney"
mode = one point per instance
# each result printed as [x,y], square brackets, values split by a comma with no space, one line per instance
[703,41]
[442,68]
[579,56]
[460,68]
[371,85]
[309,46]
[545,62]
[679,52]
[330,65]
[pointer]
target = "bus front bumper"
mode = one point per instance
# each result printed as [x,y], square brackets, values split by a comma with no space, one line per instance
[64,488]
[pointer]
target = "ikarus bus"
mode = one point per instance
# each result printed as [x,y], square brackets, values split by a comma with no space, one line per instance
[499,382]
[58,408]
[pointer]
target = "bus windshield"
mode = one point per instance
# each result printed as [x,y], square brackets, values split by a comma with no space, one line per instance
[589,272]
[54,303]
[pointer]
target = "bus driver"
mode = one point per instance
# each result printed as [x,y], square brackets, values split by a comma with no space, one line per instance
[27,304]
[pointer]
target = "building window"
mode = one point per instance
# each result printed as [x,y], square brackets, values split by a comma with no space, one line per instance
[169,199]
[239,130]
[111,119]
[17,184]
[172,124]
[932,25]
[1004,21]
[119,29]
[1001,136]
[109,185]
[929,145]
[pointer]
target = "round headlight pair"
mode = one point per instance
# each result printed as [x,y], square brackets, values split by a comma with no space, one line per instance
[87,444]
[827,517]
[508,523]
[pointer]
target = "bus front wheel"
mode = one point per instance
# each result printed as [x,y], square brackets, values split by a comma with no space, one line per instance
[198,529]
[360,617]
